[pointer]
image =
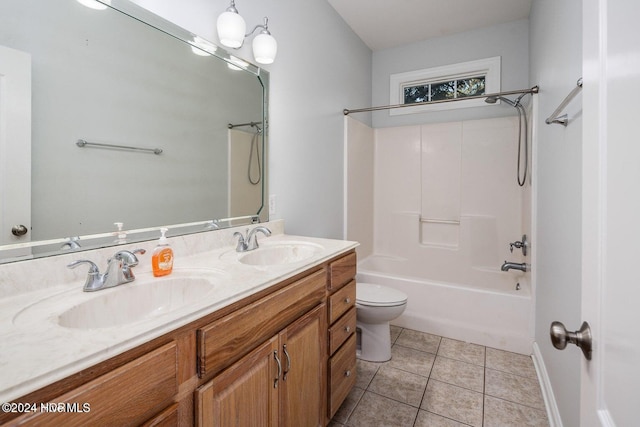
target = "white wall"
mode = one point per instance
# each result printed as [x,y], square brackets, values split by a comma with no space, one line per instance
[322,67]
[556,64]
[359,185]
[509,41]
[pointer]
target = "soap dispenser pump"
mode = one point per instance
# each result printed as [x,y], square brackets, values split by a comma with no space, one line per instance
[162,258]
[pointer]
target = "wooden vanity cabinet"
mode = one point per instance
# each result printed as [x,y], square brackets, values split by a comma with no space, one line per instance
[127,396]
[341,318]
[284,356]
[281,383]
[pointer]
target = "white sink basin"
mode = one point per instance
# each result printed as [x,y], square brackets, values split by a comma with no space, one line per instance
[280,253]
[143,299]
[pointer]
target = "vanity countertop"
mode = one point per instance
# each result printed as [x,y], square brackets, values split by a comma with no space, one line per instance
[37,351]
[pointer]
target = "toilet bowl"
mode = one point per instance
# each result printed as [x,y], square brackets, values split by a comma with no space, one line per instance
[376,306]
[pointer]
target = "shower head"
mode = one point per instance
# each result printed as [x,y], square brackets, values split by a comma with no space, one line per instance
[494,99]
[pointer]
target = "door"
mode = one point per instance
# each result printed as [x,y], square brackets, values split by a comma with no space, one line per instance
[303,348]
[611,212]
[245,394]
[15,145]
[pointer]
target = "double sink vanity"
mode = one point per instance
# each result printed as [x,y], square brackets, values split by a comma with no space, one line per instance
[261,337]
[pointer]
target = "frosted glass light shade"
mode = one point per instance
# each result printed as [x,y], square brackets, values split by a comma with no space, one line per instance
[265,48]
[231,29]
[93,4]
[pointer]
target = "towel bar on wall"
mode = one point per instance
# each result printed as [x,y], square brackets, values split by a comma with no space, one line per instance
[563,119]
[83,143]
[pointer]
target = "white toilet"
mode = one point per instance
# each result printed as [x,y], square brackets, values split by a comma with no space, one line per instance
[376,306]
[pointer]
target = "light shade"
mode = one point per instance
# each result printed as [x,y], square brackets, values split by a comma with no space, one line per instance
[231,29]
[265,48]
[93,4]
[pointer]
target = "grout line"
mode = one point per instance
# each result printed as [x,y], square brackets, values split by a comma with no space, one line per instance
[429,379]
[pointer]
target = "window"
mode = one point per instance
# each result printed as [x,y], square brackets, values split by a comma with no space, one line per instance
[449,82]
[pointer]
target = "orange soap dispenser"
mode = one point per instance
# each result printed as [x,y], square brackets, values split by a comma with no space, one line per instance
[162,258]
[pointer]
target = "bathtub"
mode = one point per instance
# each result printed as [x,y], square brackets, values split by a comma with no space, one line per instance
[484,309]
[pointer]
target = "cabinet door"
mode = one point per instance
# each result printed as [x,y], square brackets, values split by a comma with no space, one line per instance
[245,394]
[302,344]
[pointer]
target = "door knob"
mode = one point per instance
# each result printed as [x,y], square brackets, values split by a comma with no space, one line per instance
[19,230]
[560,337]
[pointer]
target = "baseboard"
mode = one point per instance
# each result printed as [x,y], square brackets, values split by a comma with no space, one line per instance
[547,392]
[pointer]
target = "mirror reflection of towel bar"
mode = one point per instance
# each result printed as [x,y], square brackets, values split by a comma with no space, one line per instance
[82,143]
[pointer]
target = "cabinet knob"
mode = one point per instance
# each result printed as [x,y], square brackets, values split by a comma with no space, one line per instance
[347,329]
[347,300]
[347,373]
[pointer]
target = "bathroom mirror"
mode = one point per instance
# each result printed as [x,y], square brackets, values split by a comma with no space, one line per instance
[112,115]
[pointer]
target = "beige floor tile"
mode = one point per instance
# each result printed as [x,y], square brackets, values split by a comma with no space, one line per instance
[365,372]
[513,363]
[349,404]
[458,373]
[379,411]
[395,333]
[514,388]
[456,403]
[411,360]
[419,341]
[428,419]
[463,351]
[500,413]
[399,385]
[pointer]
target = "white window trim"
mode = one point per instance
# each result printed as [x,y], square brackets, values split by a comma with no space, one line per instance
[488,67]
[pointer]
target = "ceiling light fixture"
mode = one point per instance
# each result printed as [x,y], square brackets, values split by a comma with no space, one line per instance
[231,32]
[93,4]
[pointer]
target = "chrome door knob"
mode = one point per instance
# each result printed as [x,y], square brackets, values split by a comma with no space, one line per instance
[560,337]
[19,230]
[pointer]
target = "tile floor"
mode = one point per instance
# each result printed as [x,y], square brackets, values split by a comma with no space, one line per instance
[435,381]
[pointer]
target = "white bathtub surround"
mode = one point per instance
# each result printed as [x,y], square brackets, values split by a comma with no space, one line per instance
[26,362]
[446,206]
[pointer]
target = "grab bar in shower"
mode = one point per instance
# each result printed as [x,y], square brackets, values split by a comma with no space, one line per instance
[563,119]
[83,143]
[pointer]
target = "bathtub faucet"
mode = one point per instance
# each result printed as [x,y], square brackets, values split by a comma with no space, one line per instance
[514,266]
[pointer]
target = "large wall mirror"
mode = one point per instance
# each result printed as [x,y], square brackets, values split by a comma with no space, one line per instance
[114,116]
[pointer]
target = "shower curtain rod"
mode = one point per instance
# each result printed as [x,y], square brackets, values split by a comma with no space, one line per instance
[533,90]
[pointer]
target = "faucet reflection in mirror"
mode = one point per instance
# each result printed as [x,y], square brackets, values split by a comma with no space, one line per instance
[231,32]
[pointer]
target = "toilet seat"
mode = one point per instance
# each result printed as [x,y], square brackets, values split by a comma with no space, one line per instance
[370,295]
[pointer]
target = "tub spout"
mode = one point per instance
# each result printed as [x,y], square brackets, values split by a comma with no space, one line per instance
[514,266]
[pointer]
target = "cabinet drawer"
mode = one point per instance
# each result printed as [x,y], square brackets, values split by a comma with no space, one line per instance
[129,395]
[342,271]
[342,301]
[340,331]
[225,341]
[342,374]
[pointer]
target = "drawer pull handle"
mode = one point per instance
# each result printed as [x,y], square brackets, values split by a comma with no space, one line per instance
[275,381]
[284,349]
[347,300]
[347,329]
[347,373]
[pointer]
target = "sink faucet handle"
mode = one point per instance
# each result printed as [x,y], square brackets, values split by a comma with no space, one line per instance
[242,243]
[93,268]
[129,258]
[94,278]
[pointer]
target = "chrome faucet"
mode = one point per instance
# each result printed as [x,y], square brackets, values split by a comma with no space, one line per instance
[118,271]
[514,266]
[250,242]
